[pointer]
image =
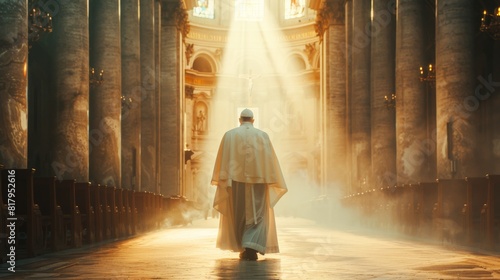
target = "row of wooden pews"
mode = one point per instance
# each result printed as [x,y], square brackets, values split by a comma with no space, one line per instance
[461,211]
[51,215]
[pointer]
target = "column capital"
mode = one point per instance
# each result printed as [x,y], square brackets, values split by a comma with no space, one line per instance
[332,12]
[174,13]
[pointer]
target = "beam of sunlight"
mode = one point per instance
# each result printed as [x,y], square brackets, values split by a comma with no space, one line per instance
[258,72]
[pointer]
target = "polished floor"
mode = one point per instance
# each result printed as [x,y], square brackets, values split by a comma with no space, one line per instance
[308,251]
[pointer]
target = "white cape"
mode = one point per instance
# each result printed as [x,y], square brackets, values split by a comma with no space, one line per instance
[252,161]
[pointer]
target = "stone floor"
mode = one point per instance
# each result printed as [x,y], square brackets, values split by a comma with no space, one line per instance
[308,251]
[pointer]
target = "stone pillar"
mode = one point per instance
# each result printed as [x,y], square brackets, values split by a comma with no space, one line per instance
[410,92]
[456,105]
[493,89]
[149,103]
[158,51]
[105,99]
[13,81]
[131,91]
[172,150]
[383,143]
[360,94]
[336,110]
[70,60]
[348,79]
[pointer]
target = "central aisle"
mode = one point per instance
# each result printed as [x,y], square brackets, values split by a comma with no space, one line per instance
[308,251]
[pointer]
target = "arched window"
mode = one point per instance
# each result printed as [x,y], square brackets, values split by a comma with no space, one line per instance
[252,10]
[201,64]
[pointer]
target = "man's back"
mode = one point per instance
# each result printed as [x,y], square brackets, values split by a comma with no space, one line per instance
[249,155]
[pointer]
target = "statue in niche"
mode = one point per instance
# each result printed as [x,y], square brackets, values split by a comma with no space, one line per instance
[201,118]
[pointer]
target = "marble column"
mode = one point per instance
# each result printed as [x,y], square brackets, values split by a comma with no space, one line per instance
[456,103]
[360,94]
[70,59]
[348,79]
[410,92]
[132,95]
[383,142]
[105,99]
[336,110]
[13,82]
[148,105]
[158,73]
[494,89]
[171,113]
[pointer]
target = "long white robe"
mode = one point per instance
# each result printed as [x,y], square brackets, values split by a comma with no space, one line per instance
[247,156]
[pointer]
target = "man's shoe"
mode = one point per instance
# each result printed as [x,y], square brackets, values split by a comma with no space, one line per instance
[248,255]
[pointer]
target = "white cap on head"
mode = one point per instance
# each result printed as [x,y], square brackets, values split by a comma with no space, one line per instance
[247,113]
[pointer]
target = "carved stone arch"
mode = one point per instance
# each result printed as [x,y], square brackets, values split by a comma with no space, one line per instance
[204,62]
[297,62]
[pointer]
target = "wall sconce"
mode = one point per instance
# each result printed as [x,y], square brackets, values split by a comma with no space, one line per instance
[94,79]
[126,102]
[428,76]
[390,102]
[38,23]
[490,23]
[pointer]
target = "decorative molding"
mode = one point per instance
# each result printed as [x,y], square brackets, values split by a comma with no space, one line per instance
[219,37]
[332,12]
[182,22]
[310,51]
[189,52]
[189,90]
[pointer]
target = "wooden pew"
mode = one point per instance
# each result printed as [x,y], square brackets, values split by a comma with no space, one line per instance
[52,217]
[156,212]
[84,202]
[128,211]
[133,209]
[427,198]
[65,198]
[452,210]
[99,212]
[161,210]
[107,222]
[477,199]
[114,218]
[493,212]
[28,219]
[141,204]
[412,211]
[120,213]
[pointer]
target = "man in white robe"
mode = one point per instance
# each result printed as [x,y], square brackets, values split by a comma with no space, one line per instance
[249,183]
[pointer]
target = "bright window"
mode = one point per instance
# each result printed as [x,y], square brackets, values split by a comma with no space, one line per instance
[294,8]
[249,9]
[204,9]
